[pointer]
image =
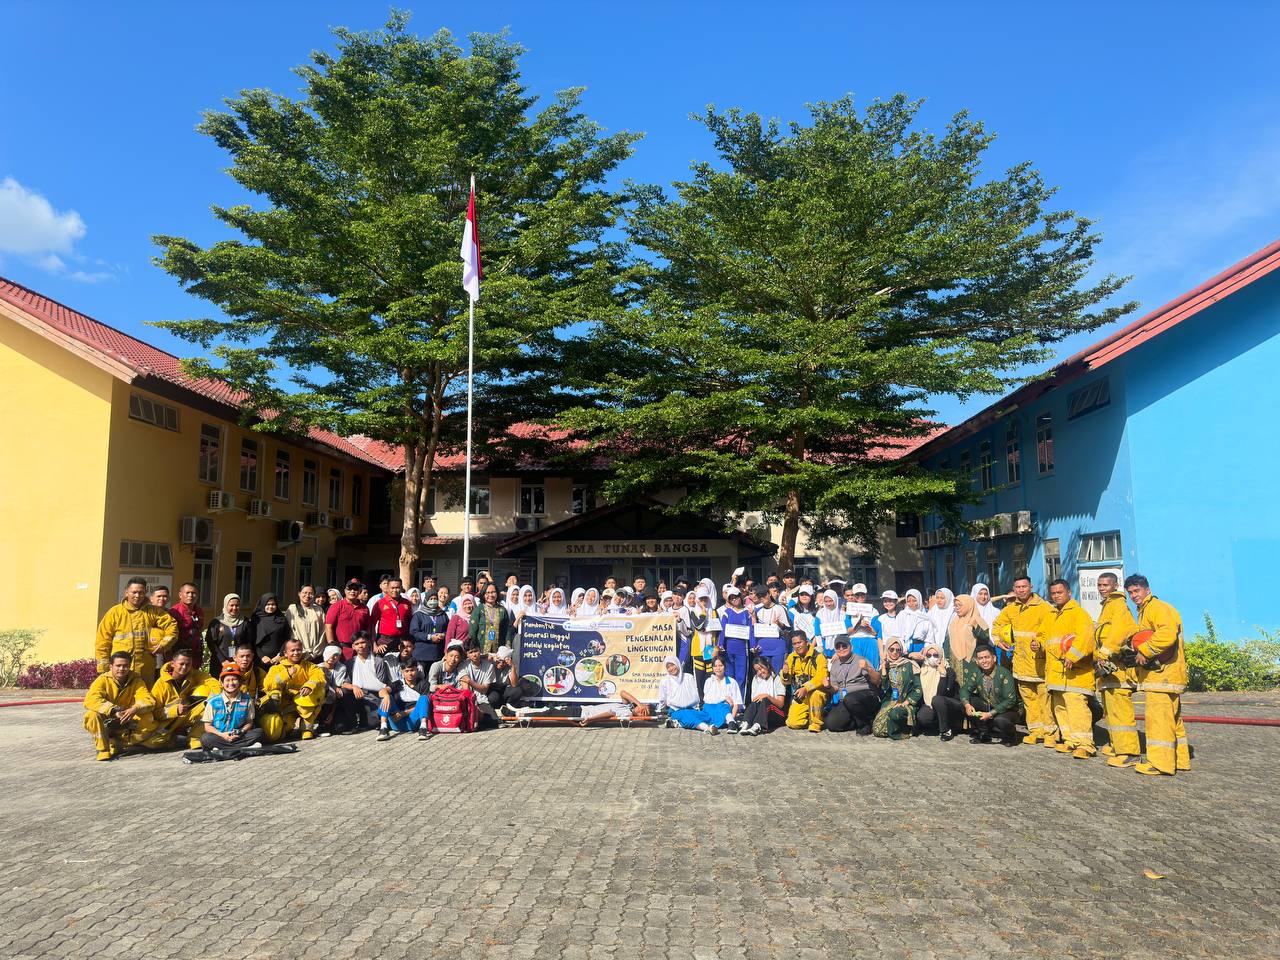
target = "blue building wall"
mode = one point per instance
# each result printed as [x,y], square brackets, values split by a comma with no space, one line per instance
[1182,464]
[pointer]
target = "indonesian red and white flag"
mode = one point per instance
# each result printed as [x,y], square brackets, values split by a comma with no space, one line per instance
[471,272]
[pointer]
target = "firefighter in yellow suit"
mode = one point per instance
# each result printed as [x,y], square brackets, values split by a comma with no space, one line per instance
[137,628]
[296,688]
[1116,681]
[805,670]
[1018,626]
[118,708]
[177,718]
[1161,673]
[1067,639]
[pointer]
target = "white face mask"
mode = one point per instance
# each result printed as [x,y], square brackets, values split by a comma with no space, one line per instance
[933,661]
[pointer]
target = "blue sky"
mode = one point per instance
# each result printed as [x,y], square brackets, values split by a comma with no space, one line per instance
[1158,120]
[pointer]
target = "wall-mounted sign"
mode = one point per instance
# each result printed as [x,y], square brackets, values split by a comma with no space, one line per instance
[607,549]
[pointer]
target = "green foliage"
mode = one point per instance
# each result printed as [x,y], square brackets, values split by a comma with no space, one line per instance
[348,273]
[810,290]
[1214,664]
[15,648]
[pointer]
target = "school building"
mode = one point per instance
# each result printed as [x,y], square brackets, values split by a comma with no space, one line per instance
[1154,451]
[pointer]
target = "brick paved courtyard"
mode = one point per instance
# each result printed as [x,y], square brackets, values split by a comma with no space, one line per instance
[634,843]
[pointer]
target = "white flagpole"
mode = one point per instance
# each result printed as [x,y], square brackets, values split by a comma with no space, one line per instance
[471,340]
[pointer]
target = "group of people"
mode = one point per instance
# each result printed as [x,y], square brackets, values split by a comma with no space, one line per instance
[750,658]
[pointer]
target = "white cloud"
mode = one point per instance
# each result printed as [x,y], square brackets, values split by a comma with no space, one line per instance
[33,231]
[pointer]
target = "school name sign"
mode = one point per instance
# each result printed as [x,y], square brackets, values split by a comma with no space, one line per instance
[640,548]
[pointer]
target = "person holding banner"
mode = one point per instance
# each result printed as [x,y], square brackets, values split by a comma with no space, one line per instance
[830,622]
[771,627]
[737,636]
[805,671]
[803,613]
[859,618]
[768,699]
[722,697]
[678,696]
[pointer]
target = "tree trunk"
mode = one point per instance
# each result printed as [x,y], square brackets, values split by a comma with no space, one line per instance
[790,530]
[410,529]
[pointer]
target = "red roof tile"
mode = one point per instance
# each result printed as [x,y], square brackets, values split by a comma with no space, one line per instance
[146,360]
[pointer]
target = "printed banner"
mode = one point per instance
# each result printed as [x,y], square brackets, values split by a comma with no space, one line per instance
[593,659]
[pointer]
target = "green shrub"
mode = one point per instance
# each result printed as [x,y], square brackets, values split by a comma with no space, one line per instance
[15,647]
[1214,664]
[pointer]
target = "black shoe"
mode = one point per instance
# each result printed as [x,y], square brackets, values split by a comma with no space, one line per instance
[1010,743]
[949,735]
[975,739]
[864,731]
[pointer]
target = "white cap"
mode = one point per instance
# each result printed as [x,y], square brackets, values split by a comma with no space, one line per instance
[331,651]
[805,588]
[452,644]
[888,595]
[504,653]
[733,592]
[859,588]
[666,595]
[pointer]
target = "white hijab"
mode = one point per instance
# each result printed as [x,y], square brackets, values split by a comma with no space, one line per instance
[512,603]
[987,611]
[530,605]
[940,617]
[556,609]
[913,624]
[830,615]
[589,607]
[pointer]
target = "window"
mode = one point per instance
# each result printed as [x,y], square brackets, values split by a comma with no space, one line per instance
[357,495]
[533,500]
[993,570]
[1012,453]
[862,569]
[809,567]
[1044,443]
[906,525]
[433,502]
[277,577]
[335,489]
[949,563]
[306,570]
[986,465]
[282,475]
[153,412]
[966,467]
[202,574]
[426,568]
[970,568]
[1099,548]
[310,483]
[210,453]
[579,499]
[249,465]
[1087,399]
[1052,561]
[1019,560]
[244,576]
[331,570]
[480,502]
[147,556]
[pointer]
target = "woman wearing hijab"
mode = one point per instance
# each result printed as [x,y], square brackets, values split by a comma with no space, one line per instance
[901,695]
[830,622]
[987,610]
[803,613]
[678,696]
[914,627]
[575,601]
[590,605]
[306,623]
[459,629]
[224,632]
[427,629]
[941,609]
[270,631]
[938,683]
[491,624]
[684,628]
[737,635]
[965,631]
[528,603]
[512,601]
[704,642]
[555,603]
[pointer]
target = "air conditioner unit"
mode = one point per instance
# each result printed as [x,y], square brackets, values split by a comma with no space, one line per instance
[196,531]
[335,521]
[1023,522]
[347,525]
[259,508]
[318,519]
[220,500]
[528,524]
[289,531]
[1002,525]
[922,539]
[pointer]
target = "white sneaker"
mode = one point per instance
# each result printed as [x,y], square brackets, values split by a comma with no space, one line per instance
[755,730]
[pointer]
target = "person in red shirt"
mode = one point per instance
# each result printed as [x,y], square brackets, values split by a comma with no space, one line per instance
[191,624]
[346,618]
[391,616]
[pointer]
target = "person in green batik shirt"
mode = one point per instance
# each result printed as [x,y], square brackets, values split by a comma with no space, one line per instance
[490,622]
[902,695]
[989,696]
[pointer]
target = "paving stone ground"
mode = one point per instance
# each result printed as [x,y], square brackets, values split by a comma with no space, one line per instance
[634,843]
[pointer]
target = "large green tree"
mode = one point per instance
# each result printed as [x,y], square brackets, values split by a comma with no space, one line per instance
[810,290]
[341,299]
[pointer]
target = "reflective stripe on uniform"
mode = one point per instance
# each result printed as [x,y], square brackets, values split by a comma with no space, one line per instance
[1028,679]
[1159,743]
[1162,687]
[1120,728]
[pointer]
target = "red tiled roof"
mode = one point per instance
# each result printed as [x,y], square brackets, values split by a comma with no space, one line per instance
[1148,327]
[146,360]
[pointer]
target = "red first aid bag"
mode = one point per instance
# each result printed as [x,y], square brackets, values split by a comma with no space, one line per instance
[453,711]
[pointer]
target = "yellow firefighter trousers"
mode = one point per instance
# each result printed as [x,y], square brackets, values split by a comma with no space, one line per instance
[1035,697]
[1117,703]
[138,731]
[808,712]
[1167,747]
[189,726]
[277,724]
[1075,720]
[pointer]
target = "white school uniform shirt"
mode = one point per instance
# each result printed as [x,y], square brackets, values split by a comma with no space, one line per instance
[676,693]
[771,687]
[722,691]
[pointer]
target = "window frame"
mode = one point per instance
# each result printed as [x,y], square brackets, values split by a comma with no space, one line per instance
[1084,552]
[1013,453]
[249,445]
[204,460]
[162,415]
[1044,445]
[579,495]
[145,555]
[1089,398]
[476,488]
[357,494]
[335,489]
[246,566]
[311,468]
[986,466]
[287,473]
[534,490]
[1052,561]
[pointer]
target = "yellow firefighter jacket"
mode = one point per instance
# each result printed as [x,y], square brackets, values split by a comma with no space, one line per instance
[288,678]
[1115,626]
[1021,623]
[1155,614]
[131,631]
[1067,638]
[105,695]
[168,693]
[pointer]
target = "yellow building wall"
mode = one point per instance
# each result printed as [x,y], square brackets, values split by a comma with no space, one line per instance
[54,438]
